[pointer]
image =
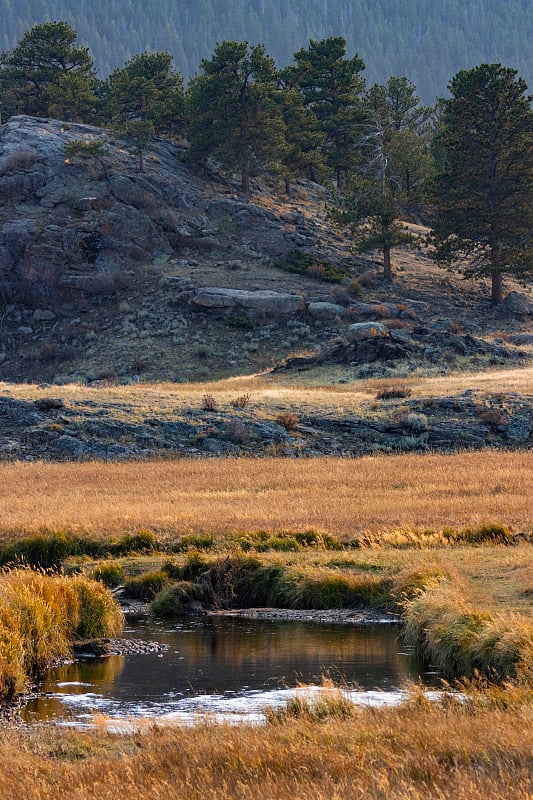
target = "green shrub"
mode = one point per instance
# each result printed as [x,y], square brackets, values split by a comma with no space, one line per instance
[175,600]
[195,541]
[146,587]
[140,542]
[301,263]
[88,149]
[240,320]
[110,574]
[488,533]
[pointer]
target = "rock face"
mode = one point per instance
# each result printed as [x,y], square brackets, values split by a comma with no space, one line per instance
[69,227]
[259,302]
[366,330]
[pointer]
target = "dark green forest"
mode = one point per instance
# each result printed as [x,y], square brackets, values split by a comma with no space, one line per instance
[427,41]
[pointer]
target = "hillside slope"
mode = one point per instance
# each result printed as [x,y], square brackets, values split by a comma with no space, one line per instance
[108,273]
[428,42]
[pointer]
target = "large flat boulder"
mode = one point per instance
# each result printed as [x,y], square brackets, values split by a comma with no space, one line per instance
[258,302]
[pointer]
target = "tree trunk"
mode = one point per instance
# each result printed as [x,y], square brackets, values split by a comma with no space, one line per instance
[245,171]
[496,295]
[387,266]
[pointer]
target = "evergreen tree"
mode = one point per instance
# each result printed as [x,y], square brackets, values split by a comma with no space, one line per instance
[234,109]
[47,73]
[393,166]
[484,192]
[303,151]
[331,86]
[139,133]
[146,88]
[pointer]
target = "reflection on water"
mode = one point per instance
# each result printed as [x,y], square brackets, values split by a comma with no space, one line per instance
[224,660]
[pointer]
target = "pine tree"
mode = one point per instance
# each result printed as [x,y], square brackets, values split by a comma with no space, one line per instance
[46,73]
[331,86]
[234,109]
[393,167]
[484,191]
[148,89]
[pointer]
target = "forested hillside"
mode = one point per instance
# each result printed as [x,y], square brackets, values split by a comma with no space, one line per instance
[428,42]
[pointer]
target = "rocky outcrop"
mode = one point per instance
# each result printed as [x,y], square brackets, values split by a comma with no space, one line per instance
[71,227]
[76,431]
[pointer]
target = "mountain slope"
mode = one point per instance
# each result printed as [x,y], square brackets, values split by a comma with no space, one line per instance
[426,42]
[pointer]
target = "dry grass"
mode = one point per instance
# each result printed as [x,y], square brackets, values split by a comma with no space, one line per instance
[481,749]
[41,615]
[314,389]
[344,497]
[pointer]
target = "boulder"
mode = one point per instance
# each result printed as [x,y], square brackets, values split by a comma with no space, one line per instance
[521,338]
[43,315]
[259,302]
[323,310]
[367,330]
[517,303]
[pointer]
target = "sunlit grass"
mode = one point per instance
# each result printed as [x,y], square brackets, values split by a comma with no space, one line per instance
[338,496]
[480,748]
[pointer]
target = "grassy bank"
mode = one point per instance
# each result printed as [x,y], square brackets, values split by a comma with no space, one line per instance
[481,748]
[40,616]
[345,498]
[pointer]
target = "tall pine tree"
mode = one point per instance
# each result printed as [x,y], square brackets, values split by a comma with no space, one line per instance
[47,74]
[234,110]
[484,190]
[393,166]
[331,85]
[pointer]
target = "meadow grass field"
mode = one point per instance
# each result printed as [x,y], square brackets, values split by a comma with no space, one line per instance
[339,496]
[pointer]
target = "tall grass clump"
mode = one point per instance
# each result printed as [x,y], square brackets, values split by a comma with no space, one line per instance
[40,615]
[146,587]
[460,640]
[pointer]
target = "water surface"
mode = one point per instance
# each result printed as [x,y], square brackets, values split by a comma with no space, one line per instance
[226,666]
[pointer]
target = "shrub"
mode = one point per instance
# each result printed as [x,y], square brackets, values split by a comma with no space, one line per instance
[237,432]
[175,600]
[241,401]
[490,532]
[19,160]
[195,565]
[49,404]
[209,403]
[81,149]
[196,541]
[109,574]
[302,263]
[240,320]
[39,551]
[140,542]
[416,422]
[146,587]
[393,392]
[288,420]
[493,417]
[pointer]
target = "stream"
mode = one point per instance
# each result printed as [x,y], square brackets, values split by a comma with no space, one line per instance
[228,669]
